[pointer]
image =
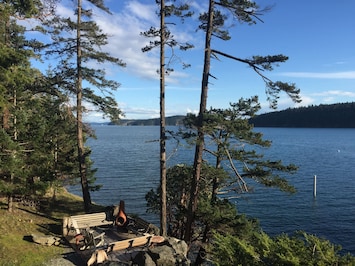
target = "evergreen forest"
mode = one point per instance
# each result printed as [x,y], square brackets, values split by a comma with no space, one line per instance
[43,134]
[339,115]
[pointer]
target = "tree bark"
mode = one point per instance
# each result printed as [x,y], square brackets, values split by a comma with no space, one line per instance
[192,207]
[163,211]
[79,117]
[10,197]
[10,203]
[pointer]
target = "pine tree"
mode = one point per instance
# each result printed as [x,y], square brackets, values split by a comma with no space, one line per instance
[232,160]
[78,43]
[212,22]
[37,130]
[16,78]
[51,133]
[165,39]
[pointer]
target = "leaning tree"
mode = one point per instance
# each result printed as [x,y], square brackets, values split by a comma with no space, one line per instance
[213,24]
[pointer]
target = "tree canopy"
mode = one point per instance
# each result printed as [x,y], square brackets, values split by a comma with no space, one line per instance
[43,133]
[35,104]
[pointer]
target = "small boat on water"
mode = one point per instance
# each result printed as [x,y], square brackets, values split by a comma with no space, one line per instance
[110,235]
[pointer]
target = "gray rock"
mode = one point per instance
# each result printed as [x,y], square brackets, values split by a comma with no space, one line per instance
[172,252]
[45,239]
[143,259]
[163,255]
[178,245]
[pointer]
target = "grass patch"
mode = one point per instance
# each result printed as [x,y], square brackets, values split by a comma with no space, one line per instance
[16,247]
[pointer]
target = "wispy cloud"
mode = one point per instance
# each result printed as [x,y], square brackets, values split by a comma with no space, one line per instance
[142,11]
[139,112]
[320,75]
[126,42]
[335,93]
[311,98]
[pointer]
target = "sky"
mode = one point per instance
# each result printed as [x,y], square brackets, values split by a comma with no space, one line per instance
[318,36]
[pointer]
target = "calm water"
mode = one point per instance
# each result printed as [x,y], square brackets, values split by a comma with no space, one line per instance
[127,159]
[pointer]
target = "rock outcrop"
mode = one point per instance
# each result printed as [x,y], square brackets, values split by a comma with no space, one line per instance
[170,252]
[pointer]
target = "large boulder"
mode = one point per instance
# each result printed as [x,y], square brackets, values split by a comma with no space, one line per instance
[171,252]
[163,255]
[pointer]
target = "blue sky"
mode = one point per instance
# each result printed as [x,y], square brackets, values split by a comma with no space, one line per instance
[318,36]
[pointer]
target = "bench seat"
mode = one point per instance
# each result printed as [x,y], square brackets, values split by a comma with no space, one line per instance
[84,221]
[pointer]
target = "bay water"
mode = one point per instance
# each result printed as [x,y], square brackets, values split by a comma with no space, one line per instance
[127,162]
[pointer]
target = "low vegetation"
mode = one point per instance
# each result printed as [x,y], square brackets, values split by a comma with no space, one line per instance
[16,227]
[228,237]
[247,244]
[260,249]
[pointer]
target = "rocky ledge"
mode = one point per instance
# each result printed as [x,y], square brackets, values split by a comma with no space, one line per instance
[171,251]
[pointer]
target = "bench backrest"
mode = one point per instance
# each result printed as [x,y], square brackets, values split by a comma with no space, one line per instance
[84,221]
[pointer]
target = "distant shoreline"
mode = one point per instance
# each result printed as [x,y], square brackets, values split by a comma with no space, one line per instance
[341,115]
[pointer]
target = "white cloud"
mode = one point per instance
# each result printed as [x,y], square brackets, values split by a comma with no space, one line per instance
[142,11]
[126,42]
[140,113]
[335,93]
[310,98]
[285,102]
[66,9]
[190,111]
[320,75]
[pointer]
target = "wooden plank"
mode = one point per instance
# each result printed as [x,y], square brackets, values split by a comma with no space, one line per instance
[129,243]
[135,242]
[74,224]
[89,220]
[99,217]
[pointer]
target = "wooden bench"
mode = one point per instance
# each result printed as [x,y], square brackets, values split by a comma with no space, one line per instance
[74,224]
[84,221]
[90,239]
[78,228]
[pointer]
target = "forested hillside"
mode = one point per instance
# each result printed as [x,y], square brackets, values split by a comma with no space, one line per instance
[170,121]
[341,115]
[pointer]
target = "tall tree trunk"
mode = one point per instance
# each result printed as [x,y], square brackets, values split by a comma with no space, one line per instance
[163,211]
[10,202]
[215,186]
[79,117]
[7,115]
[215,182]
[10,197]
[192,207]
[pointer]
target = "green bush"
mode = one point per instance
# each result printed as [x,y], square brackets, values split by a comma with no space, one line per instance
[260,249]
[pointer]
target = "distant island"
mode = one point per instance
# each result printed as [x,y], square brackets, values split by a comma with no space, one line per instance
[170,121]
[340,115]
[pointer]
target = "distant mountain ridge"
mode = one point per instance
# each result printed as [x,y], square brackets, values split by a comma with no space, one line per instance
[340,115]
[170,121]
